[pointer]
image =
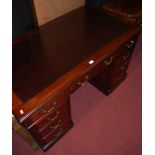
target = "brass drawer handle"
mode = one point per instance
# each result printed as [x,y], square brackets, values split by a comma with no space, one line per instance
[130,16]
[55,117]
[59,133]
[53,129]
[42,129]
[130,45]
[107,63]
[86,77]
[57,125]
[44,111]
[126,56]
[81,83]
[54,103]
[52,108]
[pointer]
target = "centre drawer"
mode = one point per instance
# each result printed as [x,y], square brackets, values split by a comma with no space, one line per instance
[83,79]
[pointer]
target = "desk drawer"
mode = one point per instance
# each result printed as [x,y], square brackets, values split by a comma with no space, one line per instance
[76,84]
[115,79]
[56,132]
[61,113]
[122,63]
[50,106]
[53,132]
[51,128]
[84,78]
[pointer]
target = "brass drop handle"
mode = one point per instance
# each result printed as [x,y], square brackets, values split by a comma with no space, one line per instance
[86,77]
[52,108]
[54,103]
[53,129]
[130,16]
[58,134]
[126,56]
[56,126]
[130,45]
[55,117]
[81,83]
[107,63]
[45,111]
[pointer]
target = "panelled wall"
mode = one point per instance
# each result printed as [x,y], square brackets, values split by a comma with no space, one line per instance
[50,9]
[46,10]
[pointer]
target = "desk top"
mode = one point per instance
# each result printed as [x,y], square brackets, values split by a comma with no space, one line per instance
[58,47]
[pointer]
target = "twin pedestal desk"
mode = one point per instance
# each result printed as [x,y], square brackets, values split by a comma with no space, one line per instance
[50,63]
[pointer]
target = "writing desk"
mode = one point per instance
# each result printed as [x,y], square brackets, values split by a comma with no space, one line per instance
[54,61]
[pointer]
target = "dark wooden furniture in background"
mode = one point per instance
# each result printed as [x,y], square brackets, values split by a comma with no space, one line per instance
[129,11]
[84,45]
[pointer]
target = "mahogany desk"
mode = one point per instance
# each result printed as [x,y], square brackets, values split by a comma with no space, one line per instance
[54,61]
[128,11]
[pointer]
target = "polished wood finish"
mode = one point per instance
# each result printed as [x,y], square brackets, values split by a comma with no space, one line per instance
[83,46]
[116,70]
[51,124]
[68,50]
[128,11]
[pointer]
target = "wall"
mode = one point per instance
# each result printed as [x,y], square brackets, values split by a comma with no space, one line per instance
[50,9]
[22,17]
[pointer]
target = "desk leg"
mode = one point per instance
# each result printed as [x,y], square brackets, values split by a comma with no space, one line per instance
[24,133]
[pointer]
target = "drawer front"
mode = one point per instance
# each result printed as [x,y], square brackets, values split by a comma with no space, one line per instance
[76,84]
[91,73]
[50,106]
[122,63]
[123,60]
[60,113]
[130,44]
[116,78]
[54,131]
[83,79]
